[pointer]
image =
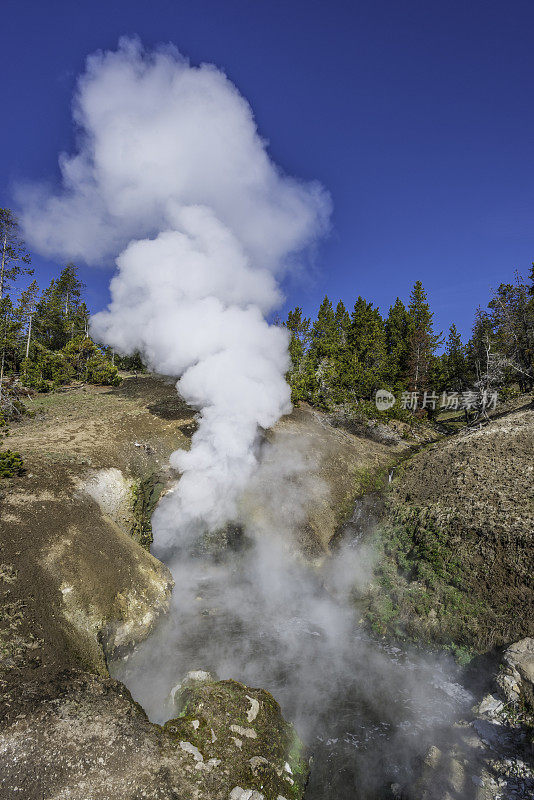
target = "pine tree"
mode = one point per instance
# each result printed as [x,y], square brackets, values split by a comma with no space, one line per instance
[325,339]
[455,377]
[367,341]
[78,321]
[61,314]
[343,357]
[530,315]
[49,319]
[423,342]
[479,351]
[14,262]
[299,326]
[342,318]
[14,258]
[397,327]
[25,311]
[513,330]
[324,351]
[69,290]
[9,333]
[300,376]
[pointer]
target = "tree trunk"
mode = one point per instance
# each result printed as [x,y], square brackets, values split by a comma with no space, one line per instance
[29,336]
[2,371]
[2,270]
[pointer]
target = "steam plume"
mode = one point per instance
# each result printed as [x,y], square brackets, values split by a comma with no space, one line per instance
[172,180]
[171,173]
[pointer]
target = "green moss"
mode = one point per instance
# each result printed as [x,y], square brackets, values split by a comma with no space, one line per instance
[145,495]
[371,480]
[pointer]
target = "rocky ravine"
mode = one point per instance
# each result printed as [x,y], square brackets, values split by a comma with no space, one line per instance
[76,587]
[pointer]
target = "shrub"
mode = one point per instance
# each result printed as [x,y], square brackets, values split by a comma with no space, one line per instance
[10,464]
[32,375]
[80,359]
[90,363]
[101,371]
[61,371]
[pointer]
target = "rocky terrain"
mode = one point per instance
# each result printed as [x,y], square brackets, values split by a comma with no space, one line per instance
[490,756]
[77,587]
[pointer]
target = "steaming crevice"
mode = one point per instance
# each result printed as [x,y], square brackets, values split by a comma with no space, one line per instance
[173,181]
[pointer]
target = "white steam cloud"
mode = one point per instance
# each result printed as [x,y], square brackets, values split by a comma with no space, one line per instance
[172,180]
[172,175]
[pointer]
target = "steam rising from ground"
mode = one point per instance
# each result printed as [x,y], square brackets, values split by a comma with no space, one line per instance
[172,179]
[261,615]
[172,174]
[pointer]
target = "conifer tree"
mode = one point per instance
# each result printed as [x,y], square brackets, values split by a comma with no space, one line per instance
[49,319]
[342,318]
[368,347]
[324,351]
[455,377]
[513,330]
[25,311]
[343,357]
[14,262]
[397,327]
[325,334]
[423,342]
[9,331]
[61,314]
[14,258]
[300,376]
[479,350]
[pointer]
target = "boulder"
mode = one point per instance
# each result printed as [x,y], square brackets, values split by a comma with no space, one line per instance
[239,731]
[84,737]
[516,677]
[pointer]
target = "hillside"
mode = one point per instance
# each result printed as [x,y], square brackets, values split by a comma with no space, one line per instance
[458,545]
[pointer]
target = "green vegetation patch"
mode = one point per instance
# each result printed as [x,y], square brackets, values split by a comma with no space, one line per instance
[11,464]
[420,590]
[145,495]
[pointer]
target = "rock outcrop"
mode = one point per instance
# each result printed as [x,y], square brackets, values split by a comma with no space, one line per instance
[488,757]
[516,677]
[240,733]
[83,737]
[339,466]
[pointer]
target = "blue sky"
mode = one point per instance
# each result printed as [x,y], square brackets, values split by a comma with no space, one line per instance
[418,117]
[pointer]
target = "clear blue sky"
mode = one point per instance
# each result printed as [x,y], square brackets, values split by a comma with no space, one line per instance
[417,115]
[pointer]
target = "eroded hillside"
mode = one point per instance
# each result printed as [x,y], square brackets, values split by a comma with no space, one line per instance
[457,554]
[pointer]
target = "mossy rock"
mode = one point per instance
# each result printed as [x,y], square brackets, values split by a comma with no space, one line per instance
[145,495]
[241,733]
